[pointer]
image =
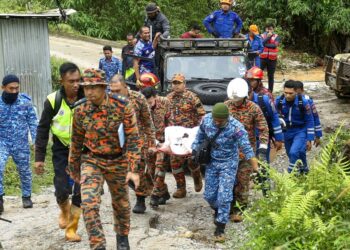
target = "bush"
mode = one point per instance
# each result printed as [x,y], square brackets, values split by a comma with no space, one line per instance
[55,73]
[12,184]
[307,212]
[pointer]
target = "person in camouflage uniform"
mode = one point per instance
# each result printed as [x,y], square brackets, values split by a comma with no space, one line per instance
[161,115]
[105,146]
[187,111]
[17,117]
[251,116]
[147,135]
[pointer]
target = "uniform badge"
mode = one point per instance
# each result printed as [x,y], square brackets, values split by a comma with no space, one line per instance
[61,113]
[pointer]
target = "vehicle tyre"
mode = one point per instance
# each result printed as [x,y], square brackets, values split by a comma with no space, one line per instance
[337,93]
[211,93]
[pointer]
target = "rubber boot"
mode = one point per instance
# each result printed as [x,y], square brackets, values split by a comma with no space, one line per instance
[1,204]
[72,227]
[122,243]
[219,233]
[162,200]
[63,218]
[180,193]
[197,180]
[154,201]
[27,202]
[140,206]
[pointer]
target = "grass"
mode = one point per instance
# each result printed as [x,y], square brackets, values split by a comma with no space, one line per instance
[12,182]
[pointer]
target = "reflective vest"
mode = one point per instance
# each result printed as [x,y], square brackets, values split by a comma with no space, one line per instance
[61,125]
[268,52]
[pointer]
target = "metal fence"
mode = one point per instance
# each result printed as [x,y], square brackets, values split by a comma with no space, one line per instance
[24,51]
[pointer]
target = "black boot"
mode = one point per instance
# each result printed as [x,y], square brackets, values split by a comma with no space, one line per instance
[27,202]
[154,202]
[162,200]
[122,243]
[140,206]
[1,204]
[219,231]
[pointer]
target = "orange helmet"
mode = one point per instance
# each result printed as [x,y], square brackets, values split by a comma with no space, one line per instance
[149,80]
[254,73]
[229,2]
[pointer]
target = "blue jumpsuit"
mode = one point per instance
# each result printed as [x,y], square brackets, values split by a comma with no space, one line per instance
[221,172]
[300,129]
[255,45]
[15,121]
[221,24]
[272,118]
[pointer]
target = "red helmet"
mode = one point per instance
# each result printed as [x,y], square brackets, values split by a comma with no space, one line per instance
[254,73]
[149,80]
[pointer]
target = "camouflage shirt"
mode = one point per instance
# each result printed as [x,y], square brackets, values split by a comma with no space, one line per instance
[186,109]
[161,116]
[96,129]
[144,118]
[251,116]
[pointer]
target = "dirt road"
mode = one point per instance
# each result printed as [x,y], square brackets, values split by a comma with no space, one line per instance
[181,224]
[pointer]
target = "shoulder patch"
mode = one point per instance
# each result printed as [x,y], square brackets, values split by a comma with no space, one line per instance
[120,98]
[25,96]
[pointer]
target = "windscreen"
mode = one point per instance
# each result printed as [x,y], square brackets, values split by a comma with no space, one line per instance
[210,67]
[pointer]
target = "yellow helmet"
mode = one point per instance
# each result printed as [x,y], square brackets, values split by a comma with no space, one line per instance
[229,2]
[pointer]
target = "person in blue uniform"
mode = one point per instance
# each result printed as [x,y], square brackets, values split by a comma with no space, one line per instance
[17,118]
[300,128]
[223,23]
[221,171]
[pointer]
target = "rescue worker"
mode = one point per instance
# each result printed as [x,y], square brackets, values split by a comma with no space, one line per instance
[300,129]
[144,61]
[195,32]
[187,111]
[255,46]
[128,61]
[223,23]
[157,22]
[268,57]
[318,128]
[57,118]
[17,118]
[251,116]
[221,171]
[110,64]
[254,76]
[161,116]
[147,136]
[105,146]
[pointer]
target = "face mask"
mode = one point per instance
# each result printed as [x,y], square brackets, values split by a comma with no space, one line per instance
[9,98]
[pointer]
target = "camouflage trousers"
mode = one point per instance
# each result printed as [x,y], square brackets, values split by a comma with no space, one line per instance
[176,163]
[95,171]
[156,168]
[146,182]
[241,188]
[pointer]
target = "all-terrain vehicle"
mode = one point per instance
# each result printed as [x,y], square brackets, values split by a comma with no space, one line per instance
[208,64]
[337,74]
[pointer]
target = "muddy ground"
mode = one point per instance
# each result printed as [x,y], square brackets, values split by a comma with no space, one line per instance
[181,224]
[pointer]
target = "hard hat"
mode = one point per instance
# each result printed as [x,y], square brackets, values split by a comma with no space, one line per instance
[254,29]
[149,80]
[229,2]
[254,73]
[237,89]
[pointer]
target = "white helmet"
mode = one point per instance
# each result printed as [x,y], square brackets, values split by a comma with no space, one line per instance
[237,89]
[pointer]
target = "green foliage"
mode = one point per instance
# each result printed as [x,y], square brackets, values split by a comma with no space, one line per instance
[305,212]
[12,182]
[55,74]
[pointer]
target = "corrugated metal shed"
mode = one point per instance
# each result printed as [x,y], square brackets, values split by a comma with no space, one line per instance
[24,51]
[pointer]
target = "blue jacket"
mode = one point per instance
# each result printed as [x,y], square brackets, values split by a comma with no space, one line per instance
[145,49]
[112,67]
[221,24]
[271,115]
[317,122]
[255,44]
[232,138]
[295,118]
[15,122]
